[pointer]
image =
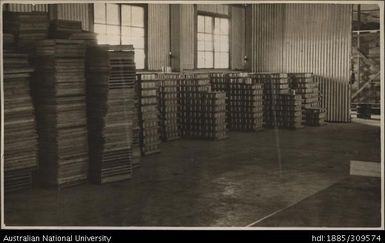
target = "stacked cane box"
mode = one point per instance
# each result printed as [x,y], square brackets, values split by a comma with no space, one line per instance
[305,85]
[314,116]
[168,106]
[110,111]
[27,28]
[59,97]
[202,112]
[72,30]
[245,105]
[148,115]
[20,135]
[283,108]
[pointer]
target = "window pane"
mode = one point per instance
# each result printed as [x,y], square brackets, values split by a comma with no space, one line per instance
[100,30]
[201,45]
[222,43]
[221,60]
[113,30]
[137,32]
[100,13]
[201,59]
[113,14]
[217,43]
[217,24]
[201,23]
[208,42]
[208,59]
[138,42]
[126,15]
[137,16]
[126,31]
[208,24]
[139,58]
[224,27]
[113,35]
[126,40]
[200,37]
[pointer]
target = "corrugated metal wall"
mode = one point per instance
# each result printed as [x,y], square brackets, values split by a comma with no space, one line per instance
[75,11]
[323,46]
[14,7]
[175,36]
[187,36]
[237,37]
[267,35]
[307,38]
[158,36]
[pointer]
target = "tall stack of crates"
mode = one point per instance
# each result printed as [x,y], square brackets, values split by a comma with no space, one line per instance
[245,102]
[168,106]
[110,111]
[202,112]
[27,28]
[282,108]
[314,116]
[148,115]
[305,85]
[287,111]
[364,111]
[20,134]
[136,128]
[60,100]
[220,82]
[214,115]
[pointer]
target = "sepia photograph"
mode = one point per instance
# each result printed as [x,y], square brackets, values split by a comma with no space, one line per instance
[192,115]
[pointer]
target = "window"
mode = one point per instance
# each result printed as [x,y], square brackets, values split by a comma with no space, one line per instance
[213,42]
[121,24]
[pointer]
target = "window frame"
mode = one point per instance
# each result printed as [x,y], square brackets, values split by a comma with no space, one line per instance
[145,22]
[213,15]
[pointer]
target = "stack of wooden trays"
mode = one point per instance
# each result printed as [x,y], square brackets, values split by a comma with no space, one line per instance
[364,111]
[63,29]
[20,137]
[202,112]
[191,93]
[214,115]
[315,116]
[59,97]
[305,85]
[136,147]
[245,102]
[8,41]
[286,111]
[110,111]
[148,115]
[274,85]
[168,106]
[89,38]
[27,27]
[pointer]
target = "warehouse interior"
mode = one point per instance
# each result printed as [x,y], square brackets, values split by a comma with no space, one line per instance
[192,115]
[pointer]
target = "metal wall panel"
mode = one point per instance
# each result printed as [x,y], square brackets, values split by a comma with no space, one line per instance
[307,38]
[75,11]
[158,36]
[15,7]
[267,36]
[237,37]
[322,46]
[187,36]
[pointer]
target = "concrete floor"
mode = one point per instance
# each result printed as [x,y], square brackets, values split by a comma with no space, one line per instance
[234,182]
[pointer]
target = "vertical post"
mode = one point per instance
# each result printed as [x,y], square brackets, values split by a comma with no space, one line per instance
[358,46]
